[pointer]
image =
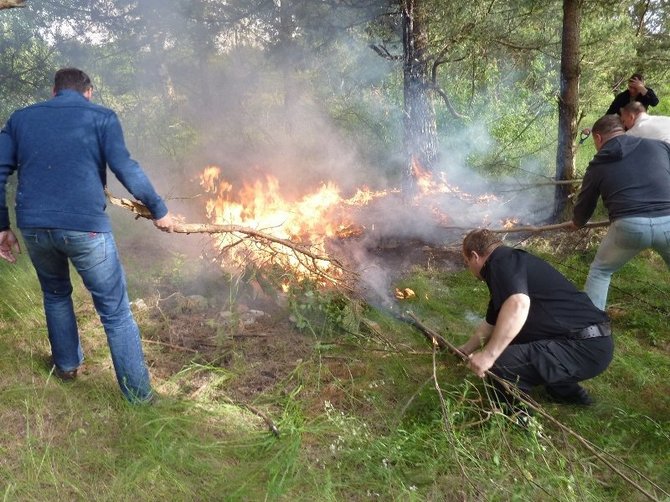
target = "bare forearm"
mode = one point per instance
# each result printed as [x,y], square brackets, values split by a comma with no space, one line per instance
[512,317]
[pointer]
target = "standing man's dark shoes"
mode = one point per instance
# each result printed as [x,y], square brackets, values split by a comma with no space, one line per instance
[66,376]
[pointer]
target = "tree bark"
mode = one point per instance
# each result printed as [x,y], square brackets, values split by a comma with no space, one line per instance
[287,54]
[420,127]
[568,103]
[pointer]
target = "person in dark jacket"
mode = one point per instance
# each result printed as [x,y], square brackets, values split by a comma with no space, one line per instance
[61,149]
[636,91]
[632,175]
[539,328]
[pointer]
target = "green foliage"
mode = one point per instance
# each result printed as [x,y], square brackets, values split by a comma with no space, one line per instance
[323,312]
[25,66]
[194,81]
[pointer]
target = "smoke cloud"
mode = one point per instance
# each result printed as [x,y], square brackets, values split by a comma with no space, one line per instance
[306,117]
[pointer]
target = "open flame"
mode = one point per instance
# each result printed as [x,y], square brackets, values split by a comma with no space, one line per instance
[428,183]
[509,223]
[308,221]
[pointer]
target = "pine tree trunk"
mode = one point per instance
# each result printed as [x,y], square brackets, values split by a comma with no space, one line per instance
[568,104]
[420,128]
[286,51]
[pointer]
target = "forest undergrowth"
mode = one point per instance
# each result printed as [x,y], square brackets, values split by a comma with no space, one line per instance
[324,397]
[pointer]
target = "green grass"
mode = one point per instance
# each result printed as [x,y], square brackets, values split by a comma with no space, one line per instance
[359,419]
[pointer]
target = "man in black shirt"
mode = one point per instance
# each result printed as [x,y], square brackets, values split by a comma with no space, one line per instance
[636,91]
[539,328]
[632,175]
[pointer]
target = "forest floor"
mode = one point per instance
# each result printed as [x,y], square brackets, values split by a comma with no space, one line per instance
[361,406]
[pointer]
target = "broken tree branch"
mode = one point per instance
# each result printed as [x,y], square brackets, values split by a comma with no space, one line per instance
[141,210]
[544,228]
[537,229]
[435,339]
[384,52]
[268,421]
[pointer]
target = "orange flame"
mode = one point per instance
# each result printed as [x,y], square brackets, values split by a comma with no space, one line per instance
[509,223]
[430,183]
[309,220]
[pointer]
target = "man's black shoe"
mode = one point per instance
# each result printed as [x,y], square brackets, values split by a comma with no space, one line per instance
[578,396]
[66,376]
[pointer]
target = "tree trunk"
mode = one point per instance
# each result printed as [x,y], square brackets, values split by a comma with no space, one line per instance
[287,53]
[567,106]
[420,128]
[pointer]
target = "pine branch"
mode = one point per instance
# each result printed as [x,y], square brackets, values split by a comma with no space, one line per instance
[307,257]
[566,225]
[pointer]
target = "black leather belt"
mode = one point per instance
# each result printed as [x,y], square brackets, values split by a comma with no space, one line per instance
[593,331]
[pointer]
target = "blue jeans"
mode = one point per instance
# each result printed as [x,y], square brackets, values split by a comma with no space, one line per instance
[95,257]
[625,239]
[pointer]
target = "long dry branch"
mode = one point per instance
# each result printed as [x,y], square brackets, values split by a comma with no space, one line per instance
[566,225]
[142,211]
[436,339]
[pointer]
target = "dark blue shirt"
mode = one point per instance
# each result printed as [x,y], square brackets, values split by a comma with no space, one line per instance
[61,149]
[557,307]
[632,175]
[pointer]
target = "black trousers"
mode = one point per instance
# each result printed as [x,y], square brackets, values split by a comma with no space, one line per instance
[558,364]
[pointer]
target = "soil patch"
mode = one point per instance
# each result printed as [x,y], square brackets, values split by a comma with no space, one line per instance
[260,346]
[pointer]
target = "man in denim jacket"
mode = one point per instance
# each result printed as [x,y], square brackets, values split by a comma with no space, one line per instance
[61,149]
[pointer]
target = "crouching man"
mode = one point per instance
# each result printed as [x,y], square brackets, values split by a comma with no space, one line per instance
[539,328]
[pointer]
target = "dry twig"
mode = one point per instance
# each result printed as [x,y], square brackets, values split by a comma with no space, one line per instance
[445,416]
[169,345]
[268,421]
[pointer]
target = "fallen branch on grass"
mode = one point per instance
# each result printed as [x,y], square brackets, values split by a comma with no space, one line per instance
[445,415]
[273,428]
[169,345]
[268,421]
[437,340]
[302,253]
